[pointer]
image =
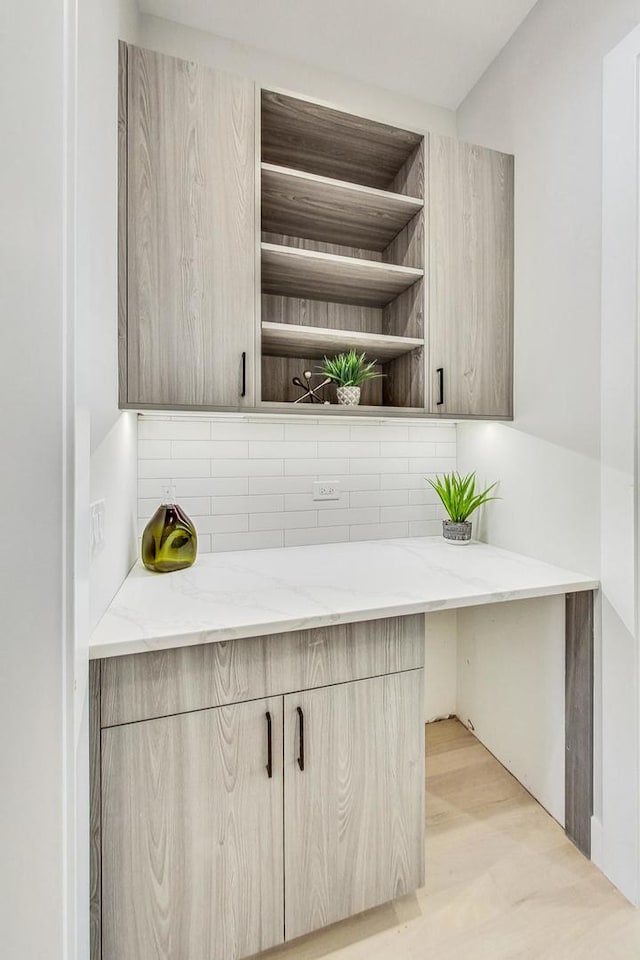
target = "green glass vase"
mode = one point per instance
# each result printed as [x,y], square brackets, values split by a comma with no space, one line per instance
[169,541]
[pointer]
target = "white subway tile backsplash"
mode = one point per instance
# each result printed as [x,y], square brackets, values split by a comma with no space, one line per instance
[154,449]
[152,469]
[360,481]
[245,430]
[409,512]
[379,431]
[445,450]
[247,468]
[301,538]
[212,487]
[378,498]
[249,483]
[152,488]
[283,521]
[247,504]
[173,429]
[357,448]
[337,518]
[305,501]
[379,531]
[225,523]
[315,468]
[268,450]
[255,540]
[425,528]
[279,484]
[209,449]
[425,494]
[322,432]
[402,481]
[408,448]
[193,506]
[433,432]
[431,465]
[379,465]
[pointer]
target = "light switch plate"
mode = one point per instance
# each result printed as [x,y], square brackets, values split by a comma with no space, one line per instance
[96,526]
[326,489]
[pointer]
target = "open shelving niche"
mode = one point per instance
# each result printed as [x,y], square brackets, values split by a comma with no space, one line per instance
[342,249]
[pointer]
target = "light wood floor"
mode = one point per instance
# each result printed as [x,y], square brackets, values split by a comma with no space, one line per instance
[503,882]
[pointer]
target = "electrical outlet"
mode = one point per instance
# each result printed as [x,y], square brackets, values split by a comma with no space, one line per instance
[326,489]
[96,526]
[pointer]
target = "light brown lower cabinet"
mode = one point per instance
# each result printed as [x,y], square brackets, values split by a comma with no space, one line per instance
[192,861]
[226,830]
[354,825]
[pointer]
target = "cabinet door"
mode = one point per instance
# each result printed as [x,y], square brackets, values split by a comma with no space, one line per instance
[470,279]
[192,835]
[354,829]
[190,263]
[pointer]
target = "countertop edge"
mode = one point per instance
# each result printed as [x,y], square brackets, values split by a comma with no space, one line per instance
[135,645]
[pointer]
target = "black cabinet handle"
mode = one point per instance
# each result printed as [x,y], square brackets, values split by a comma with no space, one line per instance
[269,747]
[440,372]
[301,728]
[243,392]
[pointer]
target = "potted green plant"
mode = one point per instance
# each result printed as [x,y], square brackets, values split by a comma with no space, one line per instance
[349,371]
[459,498]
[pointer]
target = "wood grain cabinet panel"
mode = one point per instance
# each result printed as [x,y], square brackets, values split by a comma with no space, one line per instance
[354,827]
[196,851]
[145,685]
[190,210]
[352,231]
[192,852]
[470,270]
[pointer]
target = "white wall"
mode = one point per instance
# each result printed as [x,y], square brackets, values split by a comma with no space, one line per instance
[111,433]
[294,75]
[541,99]
[510,686]
[619,656]
[441,669]
[105,462]
[36,303]
[59,282]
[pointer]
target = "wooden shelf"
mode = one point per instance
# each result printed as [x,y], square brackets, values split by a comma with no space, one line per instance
[309,136]
[292,272]
[303,204]
[309,343]
[354,189]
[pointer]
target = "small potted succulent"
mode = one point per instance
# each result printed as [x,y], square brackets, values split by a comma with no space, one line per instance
[459,498]
[349,371]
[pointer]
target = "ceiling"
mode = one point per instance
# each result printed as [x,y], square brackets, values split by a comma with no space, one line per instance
[434,50]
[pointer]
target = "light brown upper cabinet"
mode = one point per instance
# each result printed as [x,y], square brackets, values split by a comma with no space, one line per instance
[260,233]
[187,234]
[470,269]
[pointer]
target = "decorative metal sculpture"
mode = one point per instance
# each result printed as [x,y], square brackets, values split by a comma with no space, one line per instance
[310,394]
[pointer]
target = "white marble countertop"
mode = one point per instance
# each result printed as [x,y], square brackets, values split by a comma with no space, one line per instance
[250,593]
